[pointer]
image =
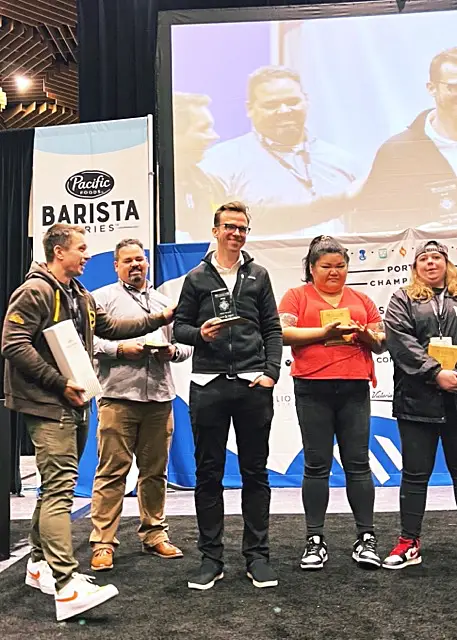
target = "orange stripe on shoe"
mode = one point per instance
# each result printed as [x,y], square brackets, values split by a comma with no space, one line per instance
[73,597]
[35,576]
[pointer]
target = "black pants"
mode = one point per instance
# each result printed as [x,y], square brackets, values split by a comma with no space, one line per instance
[419,442]
[325,409]
[211,409]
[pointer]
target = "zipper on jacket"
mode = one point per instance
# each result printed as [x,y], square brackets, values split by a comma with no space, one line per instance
[240,278]
[56,306]
[232,371]
[237,297]
[241,285]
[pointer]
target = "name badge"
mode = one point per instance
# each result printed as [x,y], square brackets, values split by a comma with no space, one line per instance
[443,341]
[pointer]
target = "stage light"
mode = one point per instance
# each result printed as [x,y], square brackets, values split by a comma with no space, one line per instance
[23,83]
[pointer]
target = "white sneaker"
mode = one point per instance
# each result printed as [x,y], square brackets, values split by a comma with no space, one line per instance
[39,576]
[81,595]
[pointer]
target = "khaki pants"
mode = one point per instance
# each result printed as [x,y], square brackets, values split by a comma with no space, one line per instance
[58,448]
[127,428]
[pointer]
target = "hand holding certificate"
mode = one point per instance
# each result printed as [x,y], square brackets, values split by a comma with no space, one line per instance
[339,326]
[446,355]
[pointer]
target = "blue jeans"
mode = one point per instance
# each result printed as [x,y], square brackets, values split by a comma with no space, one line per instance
[325,409]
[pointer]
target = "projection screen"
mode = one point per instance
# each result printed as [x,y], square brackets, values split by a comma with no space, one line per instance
[330,119]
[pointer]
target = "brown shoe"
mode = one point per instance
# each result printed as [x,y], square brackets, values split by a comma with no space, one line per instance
[102,559]
[163,549]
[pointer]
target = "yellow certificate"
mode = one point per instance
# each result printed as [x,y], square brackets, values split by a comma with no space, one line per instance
[446,355]
[343,316]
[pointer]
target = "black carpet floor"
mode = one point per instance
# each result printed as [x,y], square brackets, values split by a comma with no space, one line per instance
[342,602]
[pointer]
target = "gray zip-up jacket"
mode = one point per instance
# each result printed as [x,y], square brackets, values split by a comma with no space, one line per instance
[142,380]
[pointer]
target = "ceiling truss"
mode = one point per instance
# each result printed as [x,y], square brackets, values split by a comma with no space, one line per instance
[38,41]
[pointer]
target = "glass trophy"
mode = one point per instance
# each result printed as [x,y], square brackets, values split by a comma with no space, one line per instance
[224,307]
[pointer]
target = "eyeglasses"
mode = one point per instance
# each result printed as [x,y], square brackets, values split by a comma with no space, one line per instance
[233,227]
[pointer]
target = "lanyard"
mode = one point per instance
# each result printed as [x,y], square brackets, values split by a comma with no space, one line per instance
[438,307]
[139,300]
[305,180]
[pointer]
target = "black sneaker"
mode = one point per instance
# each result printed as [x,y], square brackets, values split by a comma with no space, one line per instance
[261,574]
[315,554]
[365,551]
[208,573]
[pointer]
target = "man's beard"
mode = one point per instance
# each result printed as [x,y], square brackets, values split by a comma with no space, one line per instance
[136,276]
[287,131]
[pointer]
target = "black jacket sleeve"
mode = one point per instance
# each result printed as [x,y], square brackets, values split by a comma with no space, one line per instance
[402,343]
[185,326]
[270,328]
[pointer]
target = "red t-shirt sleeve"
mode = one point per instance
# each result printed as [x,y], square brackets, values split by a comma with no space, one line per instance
[290,303]
[373,315]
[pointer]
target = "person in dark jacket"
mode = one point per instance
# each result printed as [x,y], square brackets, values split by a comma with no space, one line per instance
[197,193]
[55,408]
[234,371]
[422,314]
[413,180]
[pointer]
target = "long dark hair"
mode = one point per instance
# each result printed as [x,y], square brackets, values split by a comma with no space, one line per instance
[319,246]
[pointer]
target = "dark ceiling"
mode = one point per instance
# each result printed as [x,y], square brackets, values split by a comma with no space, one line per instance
[38,40]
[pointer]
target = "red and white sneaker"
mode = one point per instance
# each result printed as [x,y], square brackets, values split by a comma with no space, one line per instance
[406,553]
[39,576]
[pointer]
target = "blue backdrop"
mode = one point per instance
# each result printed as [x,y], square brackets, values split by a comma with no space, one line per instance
[172,263]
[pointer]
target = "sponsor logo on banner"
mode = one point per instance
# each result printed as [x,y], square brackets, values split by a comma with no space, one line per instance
[382,253]
[89,184]
[94,176]
[93,216]
[100,216]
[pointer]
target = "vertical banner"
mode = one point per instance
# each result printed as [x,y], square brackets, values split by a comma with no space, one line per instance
[94,175]
[379,265]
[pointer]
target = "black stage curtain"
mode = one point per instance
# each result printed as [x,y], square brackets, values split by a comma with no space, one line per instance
[117,44]
[117,49]
[16,155]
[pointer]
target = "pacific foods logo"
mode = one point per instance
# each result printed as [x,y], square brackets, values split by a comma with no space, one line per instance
[97,214]
[89,184]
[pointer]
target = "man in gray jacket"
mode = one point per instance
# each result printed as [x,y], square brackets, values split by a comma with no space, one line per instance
[135,412]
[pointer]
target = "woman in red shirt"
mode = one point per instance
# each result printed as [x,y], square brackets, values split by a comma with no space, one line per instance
[333,330]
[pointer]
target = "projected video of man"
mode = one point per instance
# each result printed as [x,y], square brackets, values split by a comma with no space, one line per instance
[353,132]
[413,177]
[280,168]
[197,194]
